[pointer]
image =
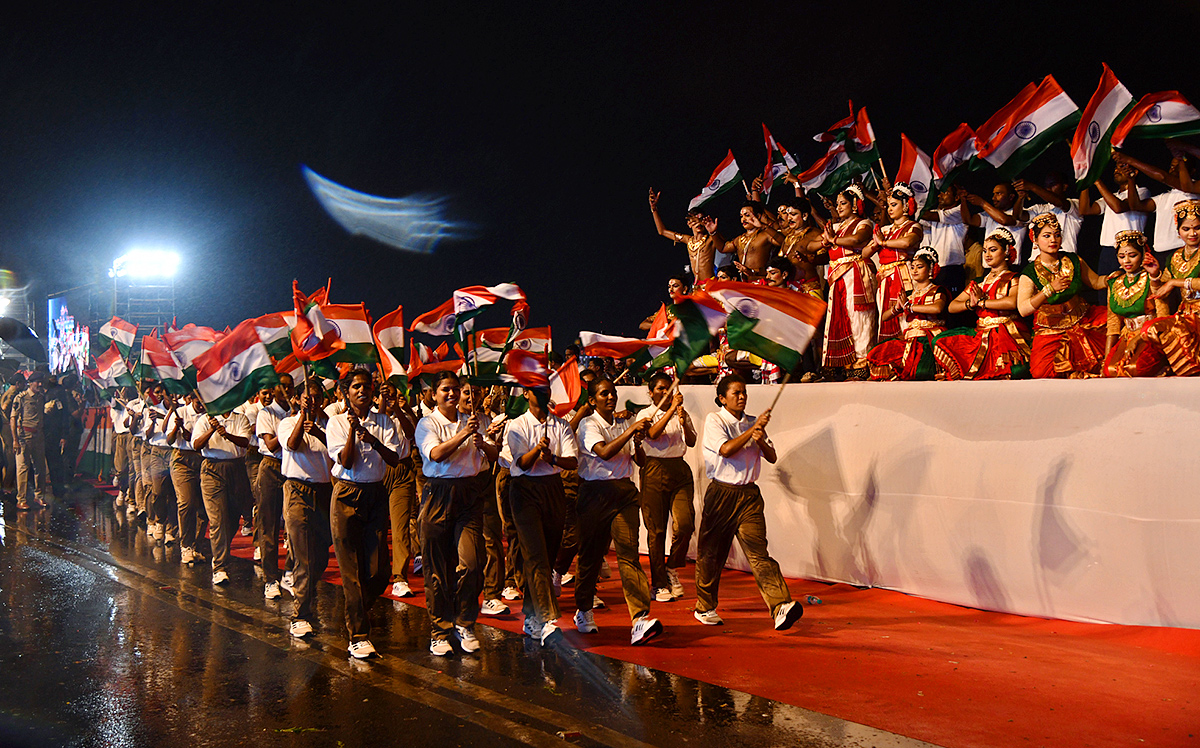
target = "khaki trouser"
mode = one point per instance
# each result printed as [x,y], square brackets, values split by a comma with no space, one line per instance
[136,475]
[358,523]
[666,489]
[538,504]
[270,513]
[163,509]
[414,526]
[569,546]
[222,486]
[121,461]
[249,505]
[452,549]
[735,511]
[401,486]
[306,517]
[31,461]
[185,476]
[493,539]
[513,563]
[608,512]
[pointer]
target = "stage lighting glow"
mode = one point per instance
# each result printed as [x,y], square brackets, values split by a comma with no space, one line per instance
[414,224]
[4,302]
[145,263]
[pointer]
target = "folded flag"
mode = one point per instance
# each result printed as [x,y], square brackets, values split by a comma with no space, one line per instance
[120,332]
[723,179]
[839,129]
[776,324]
[229,373]
[470,301]
[526,369]
[1165,114]
[952,155]
[1091,147]
[292,366]
[779,161]
[313,337]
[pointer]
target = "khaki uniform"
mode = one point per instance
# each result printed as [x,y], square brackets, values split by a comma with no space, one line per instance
[29,416]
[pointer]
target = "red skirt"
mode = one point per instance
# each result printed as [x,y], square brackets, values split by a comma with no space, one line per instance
[907,360]
[890,288]
[1076,352]
[1177,338]
[989,353]
[1134,355]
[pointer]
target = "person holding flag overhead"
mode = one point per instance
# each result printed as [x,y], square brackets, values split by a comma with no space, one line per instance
[701,247]
[400,483]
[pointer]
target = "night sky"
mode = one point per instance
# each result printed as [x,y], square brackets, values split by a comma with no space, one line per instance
[187,126]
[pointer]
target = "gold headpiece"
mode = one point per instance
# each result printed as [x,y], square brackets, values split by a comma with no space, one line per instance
[1186,209]
[1002,235]
[1042,220]
[1130,236]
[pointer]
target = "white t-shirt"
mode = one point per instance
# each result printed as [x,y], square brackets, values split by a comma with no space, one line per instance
[526,431]
[946,236]
[671,443]
[743,467]
[369,466]
[218,447]
[309,463]
[1166,234]
[1017,230]
[268,421]
[117,412]
[159,420]
[1069,219]
[335,408]
[134,411]
[593,430]
[187,415]
[250,410]
[405,448]
[435,429]
[1112,222]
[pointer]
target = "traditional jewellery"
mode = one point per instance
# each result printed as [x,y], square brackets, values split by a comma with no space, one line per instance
[1131,236]
[1186,209]
[1042,220]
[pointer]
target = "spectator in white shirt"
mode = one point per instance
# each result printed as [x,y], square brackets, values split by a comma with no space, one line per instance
[1117,215]
[1004,210]
[362,442]
[275,404]
[1054,200]
[667,490]
[222,442]
[734,446]
[122,446]
[945,231]
[607,511]
[156,458]
[1178,178]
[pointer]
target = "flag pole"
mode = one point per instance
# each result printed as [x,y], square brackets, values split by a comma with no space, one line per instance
[786,378]
[745,187]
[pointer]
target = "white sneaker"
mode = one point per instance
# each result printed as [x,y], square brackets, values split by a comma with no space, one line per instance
[532,626]
[257,553]
[361,650]
[220,577]
[246,530]
[170,538]
[597,603]
[708,617]
[159,532]
[150,529]
[645,629]
[300,628]
[130,511]
[186,556]
[605,572]
[567,578]
[556,583]
[400,588]
[120,500]
[788,614]
[466,639]
[271,591]
[287,583]
[676,585]
[493,608]
[511,593]
[585,622]
[550,633]
[440,647]
[663,595]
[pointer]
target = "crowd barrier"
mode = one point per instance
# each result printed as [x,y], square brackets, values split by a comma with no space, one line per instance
[1062,499]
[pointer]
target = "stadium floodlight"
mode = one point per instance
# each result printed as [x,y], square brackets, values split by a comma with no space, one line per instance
[4,302]
[145,263]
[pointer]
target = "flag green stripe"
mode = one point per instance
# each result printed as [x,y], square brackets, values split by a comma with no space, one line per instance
[1179,130]
[693,337]
[1103,153]
[280,349]
[1021,158]
[356,353]
[263,376]
[740,331]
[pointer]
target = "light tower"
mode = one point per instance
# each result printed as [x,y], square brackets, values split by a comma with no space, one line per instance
[144,286]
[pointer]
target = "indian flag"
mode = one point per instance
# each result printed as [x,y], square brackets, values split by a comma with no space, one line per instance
[161,364]
[389,339]
[1165,114]
[862,135]
[120,332]
[773,323]
[439,321]
[724,178]
[566,389]
[275,332]
[1091,148]
[698,317]
[352,326]
[313,337]
[470,301]
[838,131]
[615,346]
[1030,127]
[111,370]
[229,373]
[779,161]
[292,366]
[995,126]
[834,171]
[190,341]
[917,171]
[952,155]
[526,369]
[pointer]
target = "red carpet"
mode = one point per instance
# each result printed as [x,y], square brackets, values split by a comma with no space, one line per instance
[945,674]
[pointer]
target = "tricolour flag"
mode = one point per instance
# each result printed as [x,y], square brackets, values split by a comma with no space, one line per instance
[291,365]
[275,332]
[834,171]
[1091,148]
[839,129]
[999,122]
[1165,114]
[725,177]
[439,321]
[389,339]
[352,325]
[566,389]
[120,332]
[313,337]
[111,370]
[229,373]
[916,170]
[526,369]
[862,135]
[159,363]
[615,346]
[190,341]
[470,301]
[698,317]
[953,155]
[1035,124]
[779,161]
[776,324]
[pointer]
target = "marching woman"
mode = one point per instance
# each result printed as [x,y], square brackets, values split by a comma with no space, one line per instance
[998,346]
[542,446]
[850,321]
[1178,336]
[1131,305]
[1068,333]
[400,483]
[607,511]
[453,453]
[920,317]
[895,243]
[735,445]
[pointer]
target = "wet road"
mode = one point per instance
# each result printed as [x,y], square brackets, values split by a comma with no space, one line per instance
[106,640]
